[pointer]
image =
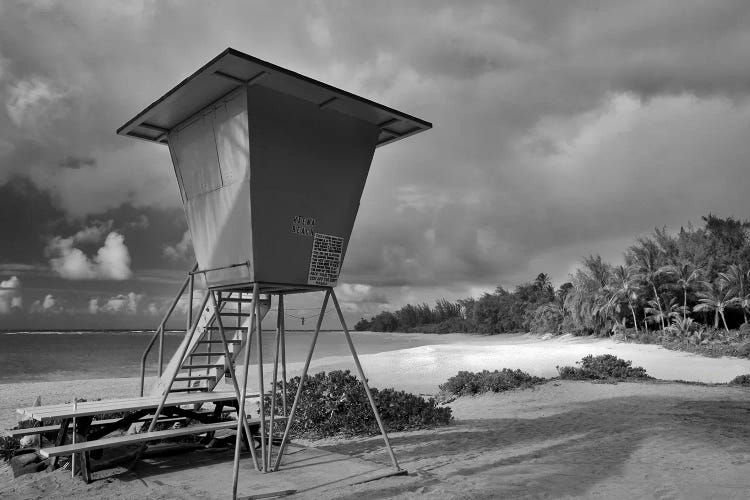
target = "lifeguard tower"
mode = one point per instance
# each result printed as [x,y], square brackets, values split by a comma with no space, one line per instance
[271,166]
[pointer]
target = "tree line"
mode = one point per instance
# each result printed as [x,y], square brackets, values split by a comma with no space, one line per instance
[673,283]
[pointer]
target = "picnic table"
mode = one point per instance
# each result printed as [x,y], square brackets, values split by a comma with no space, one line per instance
[90,434]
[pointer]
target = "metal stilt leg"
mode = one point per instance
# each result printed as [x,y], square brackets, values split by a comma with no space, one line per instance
[243,393]
[364,381]
[290,418]
[272,413]
[283,353]
[228,358]
[261,388]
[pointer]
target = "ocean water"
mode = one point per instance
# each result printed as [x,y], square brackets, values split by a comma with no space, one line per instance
[47,356]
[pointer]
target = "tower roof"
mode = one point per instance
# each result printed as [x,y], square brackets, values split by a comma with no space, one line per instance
[231,69]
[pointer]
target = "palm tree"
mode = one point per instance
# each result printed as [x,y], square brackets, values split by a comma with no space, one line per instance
[543,284]
[735,280]
[655,314]
[685,273]
[716,296]
[586,300]
[623,284]
[647,267]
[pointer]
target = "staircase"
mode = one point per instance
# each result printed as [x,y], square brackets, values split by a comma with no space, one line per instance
[205,363]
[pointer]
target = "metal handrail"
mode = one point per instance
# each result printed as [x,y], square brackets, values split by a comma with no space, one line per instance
[159,333]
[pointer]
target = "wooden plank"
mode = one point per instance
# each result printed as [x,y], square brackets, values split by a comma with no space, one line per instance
[16,433]
[138,438]
[176,399]
[129,404]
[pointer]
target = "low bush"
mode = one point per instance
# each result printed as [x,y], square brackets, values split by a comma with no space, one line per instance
[470,383]
[603,367]
[645,337]
[743,380]
[450,325]
[8,445]
[335,403]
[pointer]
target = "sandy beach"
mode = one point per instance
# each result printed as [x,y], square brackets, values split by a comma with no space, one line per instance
[422,369]
[559,440]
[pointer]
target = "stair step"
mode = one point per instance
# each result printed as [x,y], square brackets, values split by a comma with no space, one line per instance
[236,314]
[207,354]
[188,389]
[216,328]
[219,342]
[194,377]
[201,366]
[234,299]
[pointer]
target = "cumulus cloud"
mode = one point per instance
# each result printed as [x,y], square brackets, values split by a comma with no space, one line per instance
[33,103]
[10,295]
[153,309]
[180,251]
[94,306]
[112,261]
[357,297]
[127,304]
[49,304]
[93,233]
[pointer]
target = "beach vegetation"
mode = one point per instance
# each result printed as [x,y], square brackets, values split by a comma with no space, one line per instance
[335,403]
[466,383]
[8,446]
[675,288]
[743,380]
[603,367]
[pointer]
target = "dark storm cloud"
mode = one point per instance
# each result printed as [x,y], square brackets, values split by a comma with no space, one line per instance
[560,127]
[76,162]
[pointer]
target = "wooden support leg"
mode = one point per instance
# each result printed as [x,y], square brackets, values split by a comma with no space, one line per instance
[290,418]
[243,393]
[84,465]
[61,434]
[361,374]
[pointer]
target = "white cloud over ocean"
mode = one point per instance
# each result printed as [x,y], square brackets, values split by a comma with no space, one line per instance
[10,295]
[112,260]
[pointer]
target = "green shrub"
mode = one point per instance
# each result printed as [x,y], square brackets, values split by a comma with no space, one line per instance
[335,403]
[470,383]
[603,367]
[8,445]
[646,337]
[450,325]
[743,380]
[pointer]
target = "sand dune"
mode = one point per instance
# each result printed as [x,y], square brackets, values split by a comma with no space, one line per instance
[576,440]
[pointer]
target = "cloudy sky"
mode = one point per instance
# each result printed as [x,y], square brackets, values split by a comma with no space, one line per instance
[560,129]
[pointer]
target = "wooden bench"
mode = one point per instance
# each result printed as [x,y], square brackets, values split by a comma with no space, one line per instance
[30,431]
[145,437]
[91,408]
